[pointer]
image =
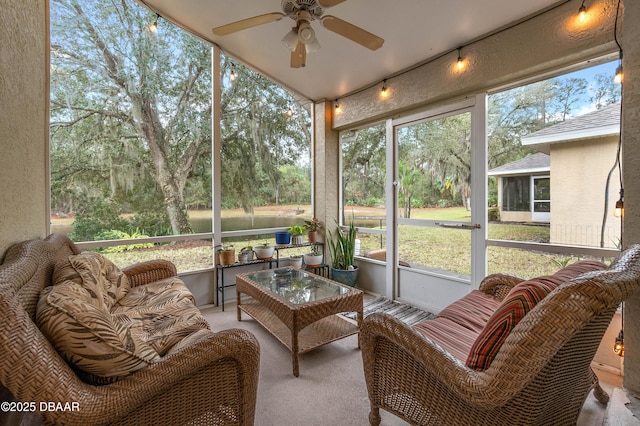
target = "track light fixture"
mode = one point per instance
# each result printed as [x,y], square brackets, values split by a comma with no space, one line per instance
[337,107]
[289,110]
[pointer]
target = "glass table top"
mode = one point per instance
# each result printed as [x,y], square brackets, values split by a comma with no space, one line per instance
[296,286]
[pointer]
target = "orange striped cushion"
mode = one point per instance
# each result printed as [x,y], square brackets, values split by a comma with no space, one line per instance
[520,300]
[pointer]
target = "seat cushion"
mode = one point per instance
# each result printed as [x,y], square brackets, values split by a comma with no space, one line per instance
[87,336]
[518,302]
[454,338]
[107,329]
[96,274]
[160,313]
[472,311]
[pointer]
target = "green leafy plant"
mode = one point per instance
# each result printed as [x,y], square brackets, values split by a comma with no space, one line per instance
[313,224]
[115,234]
[343,247]
[297,230]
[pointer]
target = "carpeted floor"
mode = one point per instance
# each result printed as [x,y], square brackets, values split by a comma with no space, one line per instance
[405,313]
[330,389]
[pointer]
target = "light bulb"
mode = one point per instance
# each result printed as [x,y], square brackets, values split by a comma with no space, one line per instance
[619,210]
[384,92]
[289,111]
[619,77]
[582,13]
[154,27]
[338,108]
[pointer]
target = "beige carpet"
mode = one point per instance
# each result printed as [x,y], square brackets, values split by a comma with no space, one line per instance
[330,389]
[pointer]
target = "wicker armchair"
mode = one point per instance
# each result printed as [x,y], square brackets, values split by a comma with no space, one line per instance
[541,374]
[213,381]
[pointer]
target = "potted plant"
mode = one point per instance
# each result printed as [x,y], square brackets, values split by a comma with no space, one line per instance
[226,255]
[342,249]
[314,258]
[296,234]
[264,251]
[283,237]
[312,228]
[295,261]
[246,254]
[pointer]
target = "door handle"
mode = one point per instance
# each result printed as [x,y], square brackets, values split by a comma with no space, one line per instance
[459,225]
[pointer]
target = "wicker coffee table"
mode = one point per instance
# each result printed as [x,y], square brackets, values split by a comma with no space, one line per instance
[299,308]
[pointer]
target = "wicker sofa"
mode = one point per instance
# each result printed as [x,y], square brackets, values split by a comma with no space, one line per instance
[196,376]
[539,337]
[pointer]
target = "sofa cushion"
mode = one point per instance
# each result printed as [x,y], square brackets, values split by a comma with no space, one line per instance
[161,313]
[518,302]
[472,311]
[454,338]
[105,328]
[74,320]
[96,274]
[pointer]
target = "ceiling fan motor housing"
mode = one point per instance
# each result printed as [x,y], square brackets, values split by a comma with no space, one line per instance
[291,8]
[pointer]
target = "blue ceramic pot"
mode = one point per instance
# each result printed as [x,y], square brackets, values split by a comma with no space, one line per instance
[283,237]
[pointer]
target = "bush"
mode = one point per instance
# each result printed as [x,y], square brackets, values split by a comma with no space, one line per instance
[94,217]
[493,214]
[114,234]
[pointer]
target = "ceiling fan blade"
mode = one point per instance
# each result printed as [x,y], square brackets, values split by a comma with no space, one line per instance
[299,56]
[330,3]
[352,32]
[243,24]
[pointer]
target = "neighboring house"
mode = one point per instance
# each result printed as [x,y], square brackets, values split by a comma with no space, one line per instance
[523,189]
[539,188]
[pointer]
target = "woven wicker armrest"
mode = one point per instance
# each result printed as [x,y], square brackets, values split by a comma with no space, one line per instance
[386,337]
[499,285]
[215,378]
[150,271]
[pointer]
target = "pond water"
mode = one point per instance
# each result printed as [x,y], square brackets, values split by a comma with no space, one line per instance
[203,224]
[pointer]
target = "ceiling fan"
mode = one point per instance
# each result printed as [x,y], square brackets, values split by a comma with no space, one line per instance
[302,38]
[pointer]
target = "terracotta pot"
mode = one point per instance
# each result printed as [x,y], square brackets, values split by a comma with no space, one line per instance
[227,257]
[313,236]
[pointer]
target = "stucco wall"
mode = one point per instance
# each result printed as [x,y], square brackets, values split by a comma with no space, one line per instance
[539,45]
[578,180]
[631,155]
[24,88]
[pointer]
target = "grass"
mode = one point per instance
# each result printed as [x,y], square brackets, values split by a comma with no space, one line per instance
[428,247]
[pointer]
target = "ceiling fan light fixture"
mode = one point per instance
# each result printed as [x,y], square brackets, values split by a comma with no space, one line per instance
[313,46]
[305,33]
[290,40]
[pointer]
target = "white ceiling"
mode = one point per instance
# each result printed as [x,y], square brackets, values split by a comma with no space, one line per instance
[414,31]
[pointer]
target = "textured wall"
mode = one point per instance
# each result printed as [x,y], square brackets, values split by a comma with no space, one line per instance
[631,155]
[24,88]
[544,43]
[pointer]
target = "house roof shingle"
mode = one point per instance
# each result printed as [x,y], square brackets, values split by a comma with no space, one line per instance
[538,162]
[602,122]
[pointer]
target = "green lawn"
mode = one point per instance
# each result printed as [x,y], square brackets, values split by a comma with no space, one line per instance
[440,248]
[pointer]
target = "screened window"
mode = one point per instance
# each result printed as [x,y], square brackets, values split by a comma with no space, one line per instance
[516,195]
[363,185]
